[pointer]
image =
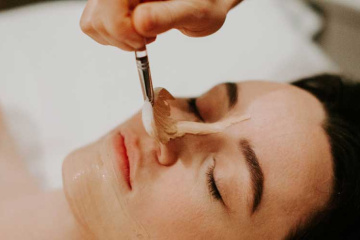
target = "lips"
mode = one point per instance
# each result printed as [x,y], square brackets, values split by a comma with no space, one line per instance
[123,163]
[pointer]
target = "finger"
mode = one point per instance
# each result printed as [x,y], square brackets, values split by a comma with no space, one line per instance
[87,26]
[122,45]
[150,40]
[100,32]
[97,37]
[123,31]
[133,4]
[153,18]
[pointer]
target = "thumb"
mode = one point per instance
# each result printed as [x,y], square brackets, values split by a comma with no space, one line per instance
[153,18]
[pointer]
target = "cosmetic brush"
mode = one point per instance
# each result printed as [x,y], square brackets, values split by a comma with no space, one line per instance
[142,63]
[156,109]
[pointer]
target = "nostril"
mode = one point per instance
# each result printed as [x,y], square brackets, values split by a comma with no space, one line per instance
[158,153]
[153,148]
[167,155]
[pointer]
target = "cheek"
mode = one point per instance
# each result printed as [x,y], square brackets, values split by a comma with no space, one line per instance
[95,198]
[170,206]
[134,123]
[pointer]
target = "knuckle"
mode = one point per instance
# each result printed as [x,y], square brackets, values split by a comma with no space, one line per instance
[146,21]
[125,47]
[121,44]
[128,49]
[203,12]
[126,34]
[136,44]
[85,25]
[148,24]
[102,42]
[118,29]
[97,25]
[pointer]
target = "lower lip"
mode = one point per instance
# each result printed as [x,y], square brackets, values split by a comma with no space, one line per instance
[123,163]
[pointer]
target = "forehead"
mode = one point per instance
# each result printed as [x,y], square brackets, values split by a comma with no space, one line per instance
[279,105]
[286,132]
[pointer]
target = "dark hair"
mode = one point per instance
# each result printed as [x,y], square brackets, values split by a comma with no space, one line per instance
[340,218]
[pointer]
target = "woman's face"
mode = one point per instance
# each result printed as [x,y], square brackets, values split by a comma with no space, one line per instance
[256,180]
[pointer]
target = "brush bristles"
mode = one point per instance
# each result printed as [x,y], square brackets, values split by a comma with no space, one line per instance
[147,118]
[160,125]
[156,119]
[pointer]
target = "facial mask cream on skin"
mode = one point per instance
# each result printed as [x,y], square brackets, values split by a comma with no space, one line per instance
[159,124]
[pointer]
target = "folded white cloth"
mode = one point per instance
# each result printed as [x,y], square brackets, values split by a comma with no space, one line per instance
[301,16]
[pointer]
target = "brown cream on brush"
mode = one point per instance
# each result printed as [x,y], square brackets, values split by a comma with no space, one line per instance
[159,124]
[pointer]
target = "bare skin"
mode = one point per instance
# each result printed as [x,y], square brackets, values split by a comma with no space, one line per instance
[169,196]
[128,25]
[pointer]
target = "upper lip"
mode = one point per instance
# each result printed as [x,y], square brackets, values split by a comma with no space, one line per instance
[125,165]
[132,154]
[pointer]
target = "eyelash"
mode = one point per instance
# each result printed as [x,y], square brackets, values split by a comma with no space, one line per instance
[214,191]
[194,109]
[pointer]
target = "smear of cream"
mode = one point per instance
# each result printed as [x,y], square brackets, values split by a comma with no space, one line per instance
[157,120]
[160,125]
[196,128]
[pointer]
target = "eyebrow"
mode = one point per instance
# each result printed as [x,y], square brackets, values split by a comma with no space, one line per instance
[257,176]
[232,93]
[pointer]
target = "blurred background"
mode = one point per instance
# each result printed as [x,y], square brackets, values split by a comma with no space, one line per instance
[339,36]
[60,90]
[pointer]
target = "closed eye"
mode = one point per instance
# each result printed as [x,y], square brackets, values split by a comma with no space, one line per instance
[214,191]
[193,108]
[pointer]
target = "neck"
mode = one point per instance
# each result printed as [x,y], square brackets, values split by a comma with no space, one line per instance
[42,216]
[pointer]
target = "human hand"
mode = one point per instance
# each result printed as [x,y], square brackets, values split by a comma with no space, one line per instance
[130,24]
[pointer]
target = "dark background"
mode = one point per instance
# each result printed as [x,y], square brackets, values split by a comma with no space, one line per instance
[4,4]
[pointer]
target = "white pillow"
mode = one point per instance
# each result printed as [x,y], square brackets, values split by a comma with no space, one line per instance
[61,90]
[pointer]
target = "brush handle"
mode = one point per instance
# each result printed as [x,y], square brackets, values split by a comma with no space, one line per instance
[142,62]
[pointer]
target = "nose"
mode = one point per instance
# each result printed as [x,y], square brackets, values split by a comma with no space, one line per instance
[184,147]
[169,152]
